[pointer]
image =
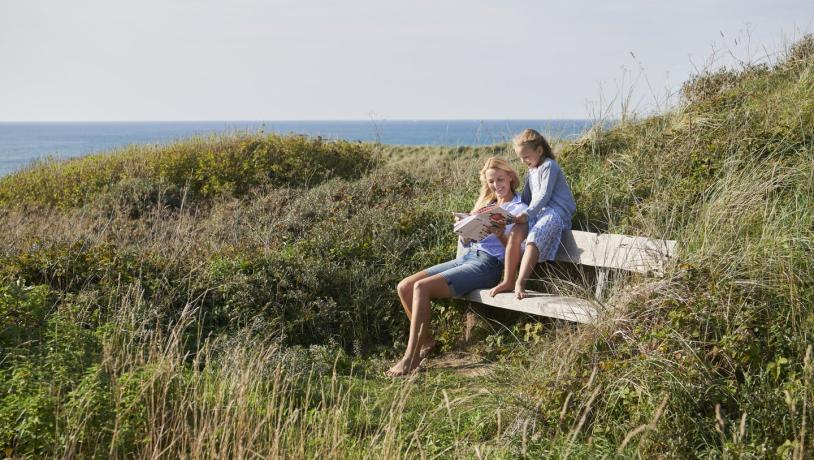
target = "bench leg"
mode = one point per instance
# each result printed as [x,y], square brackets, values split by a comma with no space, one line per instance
[471,322]
[475,327]
[601,282]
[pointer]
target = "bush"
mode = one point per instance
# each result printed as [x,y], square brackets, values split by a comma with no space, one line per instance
[203,167]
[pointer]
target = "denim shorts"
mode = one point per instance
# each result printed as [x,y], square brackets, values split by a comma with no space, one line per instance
[475,269]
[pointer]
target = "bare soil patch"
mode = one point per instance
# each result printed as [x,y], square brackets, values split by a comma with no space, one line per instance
[464,364]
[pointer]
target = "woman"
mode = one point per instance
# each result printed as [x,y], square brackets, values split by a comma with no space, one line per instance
[479,268]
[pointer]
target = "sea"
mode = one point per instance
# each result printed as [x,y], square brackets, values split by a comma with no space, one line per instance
[24,142]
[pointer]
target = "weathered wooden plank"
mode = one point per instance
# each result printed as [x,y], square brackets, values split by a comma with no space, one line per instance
[607,250]
[538,303]
[604,251]
[577,247]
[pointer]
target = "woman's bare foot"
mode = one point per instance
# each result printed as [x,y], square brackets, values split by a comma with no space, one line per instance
[403,367]
[505,286]
[427,348]
[520,291]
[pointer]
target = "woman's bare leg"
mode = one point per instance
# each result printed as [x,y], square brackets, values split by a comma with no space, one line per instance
[526,267]
[433,287]
[405,290]
[516,237]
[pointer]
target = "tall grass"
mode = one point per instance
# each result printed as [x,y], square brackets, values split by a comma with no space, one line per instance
[713,359]
[238,397]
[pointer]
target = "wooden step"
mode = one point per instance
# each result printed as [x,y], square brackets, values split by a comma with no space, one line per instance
[539,303]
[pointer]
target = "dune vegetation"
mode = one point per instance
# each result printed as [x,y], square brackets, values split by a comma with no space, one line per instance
[234,296]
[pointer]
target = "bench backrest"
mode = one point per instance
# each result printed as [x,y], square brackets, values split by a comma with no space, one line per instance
[631,253]
[607,250]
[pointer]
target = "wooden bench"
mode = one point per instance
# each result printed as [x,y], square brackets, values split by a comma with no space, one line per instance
[606,252]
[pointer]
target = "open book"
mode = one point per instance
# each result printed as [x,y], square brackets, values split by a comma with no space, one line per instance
[476,226]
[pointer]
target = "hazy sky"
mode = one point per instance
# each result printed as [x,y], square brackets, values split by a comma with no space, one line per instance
[297,60]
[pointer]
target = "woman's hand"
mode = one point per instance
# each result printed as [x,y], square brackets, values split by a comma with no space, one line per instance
[521,219]
[498,228]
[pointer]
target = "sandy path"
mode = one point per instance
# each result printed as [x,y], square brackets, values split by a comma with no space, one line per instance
[464,364]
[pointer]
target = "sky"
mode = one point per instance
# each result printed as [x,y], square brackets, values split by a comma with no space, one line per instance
[115,60]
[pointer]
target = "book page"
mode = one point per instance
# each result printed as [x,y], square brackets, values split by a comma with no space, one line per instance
[476,226]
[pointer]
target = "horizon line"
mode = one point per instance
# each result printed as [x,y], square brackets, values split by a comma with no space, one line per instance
[383,120]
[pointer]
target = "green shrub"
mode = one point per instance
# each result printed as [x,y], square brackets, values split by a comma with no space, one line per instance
[23,309]
[202,167]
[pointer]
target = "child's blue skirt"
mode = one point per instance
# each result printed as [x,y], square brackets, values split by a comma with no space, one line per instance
[546,233]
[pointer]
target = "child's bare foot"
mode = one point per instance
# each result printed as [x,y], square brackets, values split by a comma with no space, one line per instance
[427,348]
[520,291]
[403,367]
[505,286]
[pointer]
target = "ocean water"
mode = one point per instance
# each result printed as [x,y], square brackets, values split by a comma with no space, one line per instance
[21,143]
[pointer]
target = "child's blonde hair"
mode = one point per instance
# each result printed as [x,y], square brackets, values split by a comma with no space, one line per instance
[535,140]
[486,195]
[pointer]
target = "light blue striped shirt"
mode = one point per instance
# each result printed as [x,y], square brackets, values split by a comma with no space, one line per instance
[491,244]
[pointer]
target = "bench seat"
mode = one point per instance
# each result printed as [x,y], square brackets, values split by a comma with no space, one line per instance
[606,252]
[539,303]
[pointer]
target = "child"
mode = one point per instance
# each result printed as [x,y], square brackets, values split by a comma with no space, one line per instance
[551,207]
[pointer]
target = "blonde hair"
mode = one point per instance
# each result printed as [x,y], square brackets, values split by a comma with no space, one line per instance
[535,140]
[486,195]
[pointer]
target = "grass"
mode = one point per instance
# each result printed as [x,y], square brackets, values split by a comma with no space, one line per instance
[234,296]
